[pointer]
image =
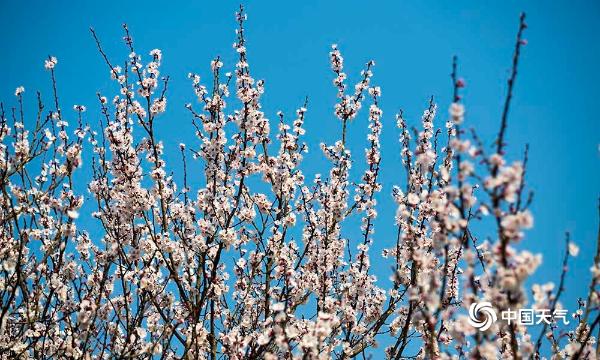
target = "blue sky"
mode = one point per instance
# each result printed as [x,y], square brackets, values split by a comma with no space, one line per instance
[412,42]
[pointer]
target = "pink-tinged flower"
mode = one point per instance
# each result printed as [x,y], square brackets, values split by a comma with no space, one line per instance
[50,63]
[19,90]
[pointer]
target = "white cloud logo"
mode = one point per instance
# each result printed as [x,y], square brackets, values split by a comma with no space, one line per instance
[482,315]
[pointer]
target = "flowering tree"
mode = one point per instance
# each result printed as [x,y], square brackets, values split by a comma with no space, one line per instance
[154,278]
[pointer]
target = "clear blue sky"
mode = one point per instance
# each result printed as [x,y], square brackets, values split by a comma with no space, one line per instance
[412,42]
